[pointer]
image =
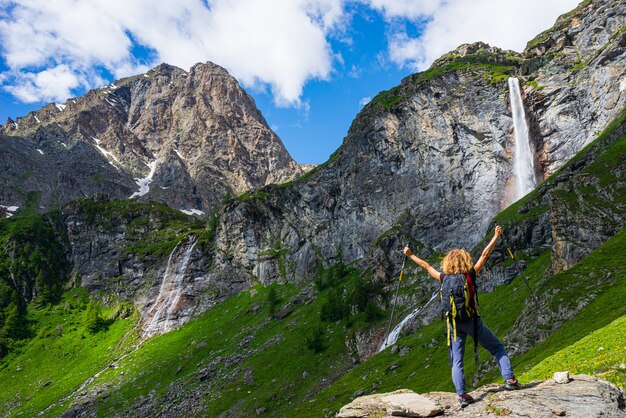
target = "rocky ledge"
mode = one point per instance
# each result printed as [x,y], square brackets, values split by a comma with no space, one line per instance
[571,396]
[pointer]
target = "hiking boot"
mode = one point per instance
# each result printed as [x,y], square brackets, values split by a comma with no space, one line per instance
[512,384]
[465,400]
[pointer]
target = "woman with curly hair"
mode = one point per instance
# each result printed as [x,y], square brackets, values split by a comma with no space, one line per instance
[460,308]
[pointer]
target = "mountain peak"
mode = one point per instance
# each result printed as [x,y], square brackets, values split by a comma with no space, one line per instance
[195,135]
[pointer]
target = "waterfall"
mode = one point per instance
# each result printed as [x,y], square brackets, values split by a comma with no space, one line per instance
[395,333]
[523,166]
[159,318]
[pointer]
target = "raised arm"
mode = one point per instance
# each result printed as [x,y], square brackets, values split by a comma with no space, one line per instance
[487,251]
[423,264]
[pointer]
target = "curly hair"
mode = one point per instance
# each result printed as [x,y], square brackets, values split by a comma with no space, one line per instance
[457,261]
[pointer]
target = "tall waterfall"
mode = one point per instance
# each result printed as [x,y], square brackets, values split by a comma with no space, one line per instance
[523,166]
[159,318]
[395,333]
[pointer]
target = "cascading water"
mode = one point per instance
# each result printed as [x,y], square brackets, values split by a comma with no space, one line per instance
[395,333]
[159,318]
[523,165]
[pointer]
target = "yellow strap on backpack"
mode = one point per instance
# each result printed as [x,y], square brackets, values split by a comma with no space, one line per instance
[453,316]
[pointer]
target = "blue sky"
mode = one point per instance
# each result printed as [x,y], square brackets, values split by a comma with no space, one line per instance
[309,64]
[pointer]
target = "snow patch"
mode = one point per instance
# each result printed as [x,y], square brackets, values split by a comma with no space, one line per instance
[192,211]
[61,107]
[10,210]
[178,153]
[40,151]
[144,183]
[62,143]
[104,152]
[37,119]
[146,75]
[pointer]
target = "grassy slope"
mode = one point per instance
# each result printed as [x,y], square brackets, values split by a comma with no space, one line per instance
[59,358]
[285,371]
[602,353]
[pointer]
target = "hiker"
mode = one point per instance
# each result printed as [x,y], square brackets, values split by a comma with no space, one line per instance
[460,310]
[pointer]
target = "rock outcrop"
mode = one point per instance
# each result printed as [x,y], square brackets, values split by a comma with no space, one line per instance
[583,397]
[183,138]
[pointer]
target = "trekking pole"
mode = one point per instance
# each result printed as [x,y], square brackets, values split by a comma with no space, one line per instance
[393,305]
[519,270]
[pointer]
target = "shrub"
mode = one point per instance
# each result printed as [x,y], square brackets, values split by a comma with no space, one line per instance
[93,318]
[315,340]
[272,301]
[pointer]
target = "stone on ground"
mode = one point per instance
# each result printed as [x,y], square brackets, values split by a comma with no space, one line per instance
[401,403]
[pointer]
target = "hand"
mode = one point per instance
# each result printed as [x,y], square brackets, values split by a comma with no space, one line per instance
[498,231]
[407,251]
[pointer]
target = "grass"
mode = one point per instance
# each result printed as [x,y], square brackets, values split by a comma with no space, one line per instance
[389,98]
[275,357]
[601,353]
[59,358]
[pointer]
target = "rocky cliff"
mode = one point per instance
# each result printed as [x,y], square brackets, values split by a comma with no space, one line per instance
[183,138]
[430,161]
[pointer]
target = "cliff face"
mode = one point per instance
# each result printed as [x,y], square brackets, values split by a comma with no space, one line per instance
[430,161]
[185,139]
[577,79]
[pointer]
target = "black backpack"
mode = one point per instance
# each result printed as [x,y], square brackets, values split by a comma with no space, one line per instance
[459,302]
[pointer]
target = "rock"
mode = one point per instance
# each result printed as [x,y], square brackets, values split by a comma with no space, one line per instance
[401,403]
[561,377]
[583,397]
[395,349]
[248,377]
[283,313]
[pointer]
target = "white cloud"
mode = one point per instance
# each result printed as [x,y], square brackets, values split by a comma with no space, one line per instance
[277,43]
[506,24]
[411,9]
[53,84]
[364,101]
